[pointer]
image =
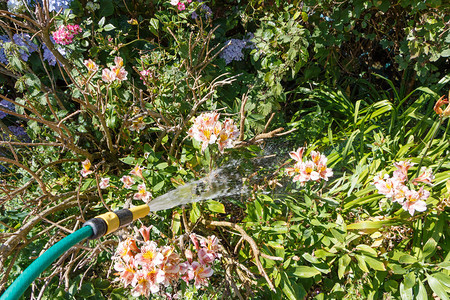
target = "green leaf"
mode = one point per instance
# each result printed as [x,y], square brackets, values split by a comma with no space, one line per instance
[343,263]
[444,265]
[176,223]
[287,287]
[306,272]
[215,206]
[367,250]
[87,184]
[429,248]
[158,186]
[195,213]
[338,235]
[405,294]
[109,27]
[371,224]
[437,287]
[162,166]
[310,258]
[397,269]
[409,280]
[101,284]
[129,160]
[422,292]
[374,263]
[101,22]
[361,263]
[407,259]
[443,278]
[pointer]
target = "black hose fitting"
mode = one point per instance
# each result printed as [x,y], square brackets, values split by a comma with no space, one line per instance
[125,216]
[99,228]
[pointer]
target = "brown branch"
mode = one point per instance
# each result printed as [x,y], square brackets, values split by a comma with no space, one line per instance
[250,240]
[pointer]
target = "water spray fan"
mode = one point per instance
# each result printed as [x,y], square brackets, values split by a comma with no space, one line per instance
[216,184]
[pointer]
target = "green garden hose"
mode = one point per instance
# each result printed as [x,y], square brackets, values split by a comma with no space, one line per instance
[92,229]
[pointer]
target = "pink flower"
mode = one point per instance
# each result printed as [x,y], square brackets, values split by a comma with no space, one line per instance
[297,155]
[426,176]
[211,244]
[205,257]
[206,129]
[127,181]
[108,75]
[120,73]
[414,201]
[104,183]
[137,124]
[385,186]
[126,271]
[227,135]
[137,171]
[86,166]
[150,256]
[118,61]
[142,193]
[91,65]
[126,249]
[181,6]
[194,240]
[145,232]
[308,172]
[174,2]
[146,282]
[64,34]
[200,274]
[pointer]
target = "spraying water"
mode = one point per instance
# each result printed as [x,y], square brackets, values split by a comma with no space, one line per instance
[222,182]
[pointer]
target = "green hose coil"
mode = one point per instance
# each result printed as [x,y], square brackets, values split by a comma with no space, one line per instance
[19,286]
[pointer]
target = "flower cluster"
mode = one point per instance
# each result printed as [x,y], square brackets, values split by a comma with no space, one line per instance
[147,268]
[8,105]
[24,43]
[57,5]
[310,170]
[65,34]
[395,187]
[202,9]
[180,4]
[17,6]
[234,48]
[117,72]
[208,130]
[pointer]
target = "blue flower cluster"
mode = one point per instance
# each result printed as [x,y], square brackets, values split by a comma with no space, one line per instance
[235,47]
[7,105]
[17,6]
[27,47]
[56,5]
[205,10]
